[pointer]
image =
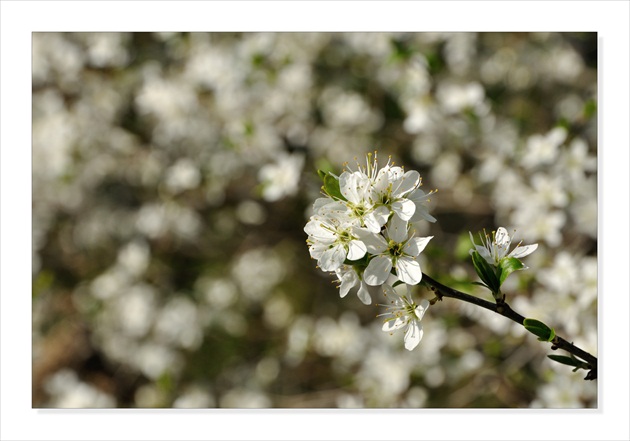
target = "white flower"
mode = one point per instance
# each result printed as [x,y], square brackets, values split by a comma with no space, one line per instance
[404,313]
[391,187]
[419,197]
[348,278]
[331,241]
[495,250]
[393,250]
[356,188]
[372,194]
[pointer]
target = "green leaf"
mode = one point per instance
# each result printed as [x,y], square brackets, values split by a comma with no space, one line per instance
[507,266]
[486,272]
[538,328]
[565,360]
[331,187]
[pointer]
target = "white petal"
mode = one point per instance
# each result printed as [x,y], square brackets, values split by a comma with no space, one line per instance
[404,208]
[413,335]
[389,291]
[377,271]
[376,219]
[364,294]
[333,258]
[523,251]
[374,243]
[416,245]
[348,280]
[407,183]
[356,249]
[483,252]
[380,184]
[321,202]
[393,325]
[422,213]
[354,186]
[317,249]
[397,229]
[336,208]
[315,229]
[408,270]
[422,308]
[472,239]
[502,238]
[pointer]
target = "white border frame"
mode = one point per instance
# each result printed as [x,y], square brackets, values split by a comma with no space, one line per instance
[19,19]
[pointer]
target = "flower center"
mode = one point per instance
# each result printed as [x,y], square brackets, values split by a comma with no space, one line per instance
[395,248]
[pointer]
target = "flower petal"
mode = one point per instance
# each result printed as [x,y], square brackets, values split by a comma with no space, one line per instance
[397,229]
[393,324]
[364,294]
[376,219]
[348,280]
[374,243]
[407,182]
[422,308]
[404,208]
[415,245]
[356,249]
[332,258]
[377,270]
[315,229]
[502,238]
[413,335]
[408,270]
[523,251]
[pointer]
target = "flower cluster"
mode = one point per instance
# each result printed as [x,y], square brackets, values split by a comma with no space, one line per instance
[363,229]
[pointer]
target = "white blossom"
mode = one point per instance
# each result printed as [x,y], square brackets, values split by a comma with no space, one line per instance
[348,279]
[496,249]
[395,249]
[404,313]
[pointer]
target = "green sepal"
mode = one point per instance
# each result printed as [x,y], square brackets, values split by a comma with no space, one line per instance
[507,266]
[322,174]
[331,186]
[538,328]
[361,263]
[486,273]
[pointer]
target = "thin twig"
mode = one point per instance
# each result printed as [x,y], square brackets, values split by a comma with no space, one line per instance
[505,310]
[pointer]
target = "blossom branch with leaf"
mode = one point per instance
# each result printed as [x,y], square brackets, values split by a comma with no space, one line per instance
[364,230]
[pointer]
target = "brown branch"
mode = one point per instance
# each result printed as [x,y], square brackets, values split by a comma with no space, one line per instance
[505,310]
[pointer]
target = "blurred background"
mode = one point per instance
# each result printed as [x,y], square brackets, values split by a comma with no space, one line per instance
[173,175]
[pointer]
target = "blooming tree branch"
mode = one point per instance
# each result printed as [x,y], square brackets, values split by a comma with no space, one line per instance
[364,230]
[502,308]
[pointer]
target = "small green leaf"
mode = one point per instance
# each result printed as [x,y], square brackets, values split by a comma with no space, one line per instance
[322,174]
[331,187]
[485,272]
[538,328]
[565,360]
[508,266]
